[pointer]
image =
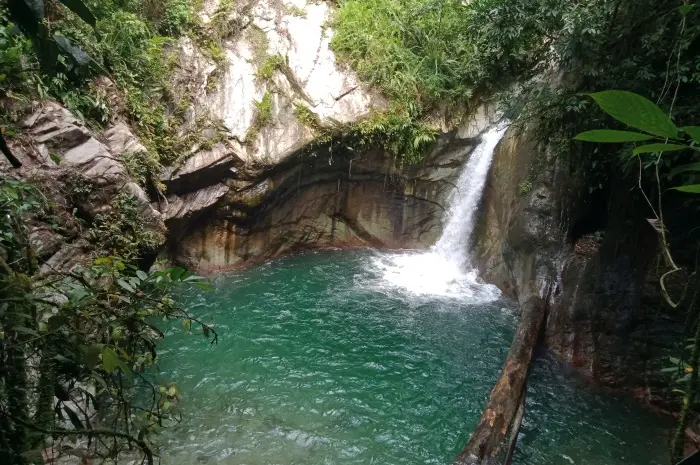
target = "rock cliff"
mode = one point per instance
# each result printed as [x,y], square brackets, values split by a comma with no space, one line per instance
[543,233]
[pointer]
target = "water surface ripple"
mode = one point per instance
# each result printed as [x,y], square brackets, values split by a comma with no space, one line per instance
[320,362]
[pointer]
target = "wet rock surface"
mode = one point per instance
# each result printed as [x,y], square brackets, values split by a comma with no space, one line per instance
[325,199]
[536,239]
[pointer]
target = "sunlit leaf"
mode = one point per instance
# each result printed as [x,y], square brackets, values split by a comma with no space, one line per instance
[692,131]
[110,359]
[636,111]
[612,136]
[690,188]
[142,275]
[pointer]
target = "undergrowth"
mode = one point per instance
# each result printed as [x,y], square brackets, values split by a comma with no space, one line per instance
[123,228]
[133,43]
[263,115]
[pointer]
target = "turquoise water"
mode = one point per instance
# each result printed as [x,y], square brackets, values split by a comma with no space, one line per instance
[321,360]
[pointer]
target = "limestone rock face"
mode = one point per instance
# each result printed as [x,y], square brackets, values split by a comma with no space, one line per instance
[534,238]
[289,39]
[322,200]
[62,154]
[201,170]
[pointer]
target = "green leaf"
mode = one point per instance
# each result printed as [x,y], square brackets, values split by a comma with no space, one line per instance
[653,148]
[636,111]
[609,135]
[690,188]
[80,9]
[125,285]
[110,359]
[142,275]
[175,273]
[692,131]
[669,370]
[684,168]
[685,9]
[674,360]
[91,356]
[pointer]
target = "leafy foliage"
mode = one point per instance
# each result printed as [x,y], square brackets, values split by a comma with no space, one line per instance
[643,115]
[270,66]
[74,346]
[640,113]
[123,229]
[400,135]
[306,117]
[263,116]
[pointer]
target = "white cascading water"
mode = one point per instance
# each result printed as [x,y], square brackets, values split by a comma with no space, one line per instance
[445,269]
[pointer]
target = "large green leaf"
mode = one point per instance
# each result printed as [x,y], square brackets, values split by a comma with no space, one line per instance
[685,168]
[110,359]
[653,148]
[690,188]
[636,111]
[610,135]
[80,9]
[692,131]
[125,285]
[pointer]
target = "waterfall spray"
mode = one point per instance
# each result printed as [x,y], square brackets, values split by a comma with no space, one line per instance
[455,242]
[445,269]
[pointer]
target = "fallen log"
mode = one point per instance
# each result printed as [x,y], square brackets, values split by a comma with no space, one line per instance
[503,404]
[513,441]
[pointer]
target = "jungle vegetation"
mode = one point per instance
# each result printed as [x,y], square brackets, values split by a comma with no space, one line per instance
[84,338]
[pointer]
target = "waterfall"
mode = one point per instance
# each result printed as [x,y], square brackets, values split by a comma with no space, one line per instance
[445,269]
[455,242]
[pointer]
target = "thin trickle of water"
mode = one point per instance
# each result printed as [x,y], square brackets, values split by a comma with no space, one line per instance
[445,269]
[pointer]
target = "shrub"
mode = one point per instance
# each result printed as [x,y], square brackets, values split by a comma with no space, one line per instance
[178,14]
[306,117]
[263,116]
[270,66]
[123,229]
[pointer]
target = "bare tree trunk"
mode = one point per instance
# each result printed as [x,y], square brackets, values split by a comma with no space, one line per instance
[488,437]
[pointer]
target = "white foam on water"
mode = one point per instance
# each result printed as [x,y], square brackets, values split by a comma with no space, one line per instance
[445,270]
